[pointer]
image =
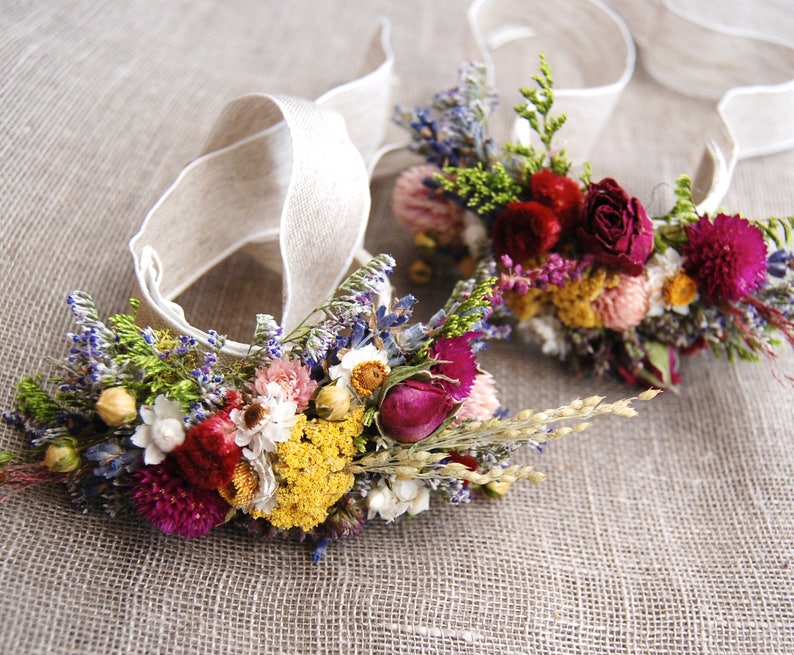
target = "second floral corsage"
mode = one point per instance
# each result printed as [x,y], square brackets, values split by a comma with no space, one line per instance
[586,272]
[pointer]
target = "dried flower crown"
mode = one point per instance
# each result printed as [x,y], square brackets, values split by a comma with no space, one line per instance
[586,272]
[354,415]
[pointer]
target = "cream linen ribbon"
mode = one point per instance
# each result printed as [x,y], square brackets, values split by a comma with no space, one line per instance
[589,49]
[689,47]
[285,175]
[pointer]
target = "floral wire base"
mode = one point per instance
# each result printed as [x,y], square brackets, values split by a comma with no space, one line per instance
[585,272]
[355,415]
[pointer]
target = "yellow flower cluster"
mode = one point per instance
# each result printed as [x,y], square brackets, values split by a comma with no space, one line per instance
[574,301]
[311,466]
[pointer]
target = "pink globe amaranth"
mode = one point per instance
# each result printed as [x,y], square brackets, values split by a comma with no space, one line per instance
[421,208]
[413,410]
[616,229]
[726,257]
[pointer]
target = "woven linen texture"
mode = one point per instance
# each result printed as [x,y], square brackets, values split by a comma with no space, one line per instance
[670,533]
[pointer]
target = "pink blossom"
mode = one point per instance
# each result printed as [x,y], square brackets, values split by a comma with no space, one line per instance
[482,402]
[625,305]
[293,377]
[420,208]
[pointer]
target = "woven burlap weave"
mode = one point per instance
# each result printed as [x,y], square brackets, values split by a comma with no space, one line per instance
[669,533]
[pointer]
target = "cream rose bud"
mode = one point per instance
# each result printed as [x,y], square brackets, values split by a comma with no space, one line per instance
[61,456]
[332,402]
[116,406]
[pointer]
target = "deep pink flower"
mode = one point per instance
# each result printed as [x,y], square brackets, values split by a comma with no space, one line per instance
[616,229]
[560,194]
[727,258]
[292,376]
[413,409]
[524,230]
[421,209]
[459,364]
[165,499]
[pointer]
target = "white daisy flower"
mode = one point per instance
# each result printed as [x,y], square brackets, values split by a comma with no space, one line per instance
[162,430]
[362,369]
[266,421]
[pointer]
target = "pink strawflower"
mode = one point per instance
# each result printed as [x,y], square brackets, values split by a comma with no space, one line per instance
[458,364]
[293,377]
[727,258]
[165,499]
[625,305]
[420,208]
[482,402]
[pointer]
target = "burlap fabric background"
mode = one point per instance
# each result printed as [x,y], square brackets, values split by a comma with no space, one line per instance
[670,533]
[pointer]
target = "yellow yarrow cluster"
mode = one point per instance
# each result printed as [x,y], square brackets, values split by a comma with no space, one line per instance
[311,467]
[574,301]
[527,305]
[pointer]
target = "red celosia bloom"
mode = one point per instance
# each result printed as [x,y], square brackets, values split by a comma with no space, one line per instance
[727,257]
[524,230]
[208,454]
[459,364]
[560,194]
[165,499]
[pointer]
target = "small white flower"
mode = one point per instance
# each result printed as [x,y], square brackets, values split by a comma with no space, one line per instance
[660,268]
[405,496]
[355,357]
[162,430]
[546,330]
[266,421]
[265,499]
[474,234]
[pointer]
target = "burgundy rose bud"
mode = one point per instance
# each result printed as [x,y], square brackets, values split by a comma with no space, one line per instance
[208,455]
[559,193]
[412,410]
[616,229]
[524,230]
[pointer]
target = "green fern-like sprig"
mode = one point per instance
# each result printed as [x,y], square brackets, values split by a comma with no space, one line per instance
[481,190]
[537,112]
[777,230]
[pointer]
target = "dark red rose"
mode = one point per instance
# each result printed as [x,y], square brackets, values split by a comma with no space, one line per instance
[616,229]
[560,194]
[413,409]
[208,455]
[524,230]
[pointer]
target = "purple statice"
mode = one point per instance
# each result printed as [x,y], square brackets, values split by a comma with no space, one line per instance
[556,271]
[267,338]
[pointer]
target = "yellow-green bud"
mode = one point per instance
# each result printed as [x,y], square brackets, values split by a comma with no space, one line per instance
[332,402]
[496,489]
[421,272]
[61,456]
[116,406]
[426,242]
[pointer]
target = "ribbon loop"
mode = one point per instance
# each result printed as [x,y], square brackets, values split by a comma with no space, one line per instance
[278,172]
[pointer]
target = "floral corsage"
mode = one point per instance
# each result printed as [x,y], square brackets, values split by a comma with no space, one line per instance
[355,415]
[586,273]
